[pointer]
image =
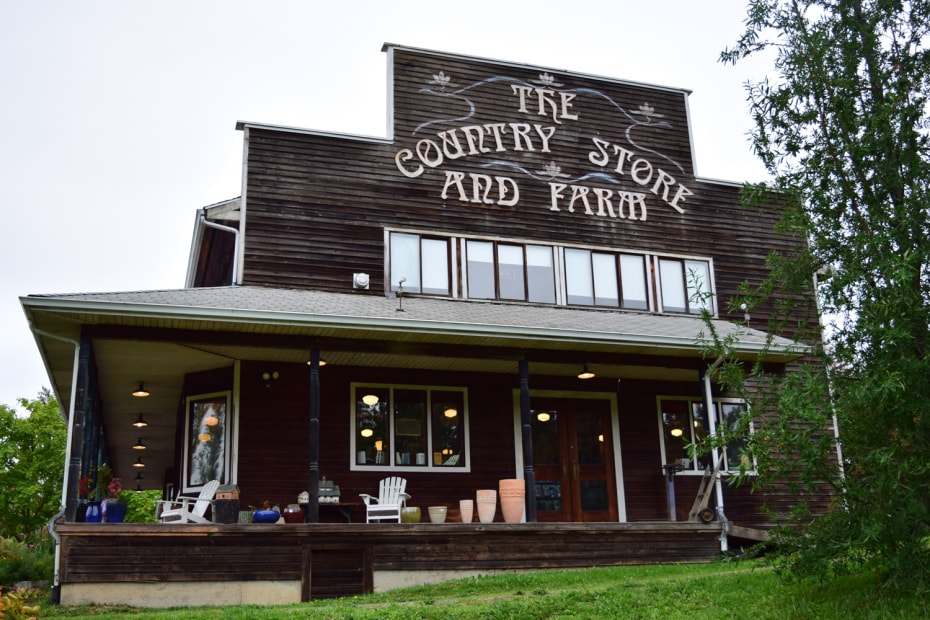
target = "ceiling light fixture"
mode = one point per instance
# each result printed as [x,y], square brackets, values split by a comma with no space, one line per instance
[141,392]
[585,373]
[450,412]
[370,399]
[366,432]
[543,416]
[139,445]
[140,423]
[138,463]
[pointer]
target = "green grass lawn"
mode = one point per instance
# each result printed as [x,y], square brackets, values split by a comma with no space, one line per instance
[696,592]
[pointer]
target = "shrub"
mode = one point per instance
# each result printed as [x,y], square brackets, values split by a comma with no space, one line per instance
[27,561]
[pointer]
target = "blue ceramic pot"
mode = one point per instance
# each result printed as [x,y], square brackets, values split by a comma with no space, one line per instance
[93,514]
[116,510]
[266,516]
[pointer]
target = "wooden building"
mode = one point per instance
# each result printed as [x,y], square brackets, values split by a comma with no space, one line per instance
[422,305]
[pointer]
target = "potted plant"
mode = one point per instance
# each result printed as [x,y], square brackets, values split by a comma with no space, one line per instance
[85,486]
[114,508]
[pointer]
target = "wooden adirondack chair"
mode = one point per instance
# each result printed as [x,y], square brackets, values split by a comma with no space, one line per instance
[391,498]
[188,508]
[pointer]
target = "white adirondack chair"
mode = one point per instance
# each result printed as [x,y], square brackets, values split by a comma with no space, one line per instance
[391,498]
[187,508]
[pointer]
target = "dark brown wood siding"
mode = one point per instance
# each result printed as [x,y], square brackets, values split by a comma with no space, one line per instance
[317,205]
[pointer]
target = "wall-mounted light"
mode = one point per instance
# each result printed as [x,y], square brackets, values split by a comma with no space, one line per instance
[322,362]
[140,423]
[139,445]
[141,392]
[270,377]
[585,373]
[138,463]
[450,412]
[360,281]
[370,399]
[543,416]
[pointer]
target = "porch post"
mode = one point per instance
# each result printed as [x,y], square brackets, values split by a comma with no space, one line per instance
[526,422]
[710,414]
[313,511]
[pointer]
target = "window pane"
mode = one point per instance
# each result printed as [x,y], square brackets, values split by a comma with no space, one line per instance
[480,269]
[372,437]
[701,429]
[409,426]
[435,266]
[673,286]
[540,274]
[448,414]
[633,282]
[578,280]
[697,276]
[730,417]
[405,261]
[605,280]
[510,271]
[207,445]
[675,431]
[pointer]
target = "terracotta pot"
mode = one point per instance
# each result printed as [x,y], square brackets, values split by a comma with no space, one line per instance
[486,502]
[513,499]
[467,509]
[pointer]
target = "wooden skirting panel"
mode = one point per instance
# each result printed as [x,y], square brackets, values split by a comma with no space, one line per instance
[331,560]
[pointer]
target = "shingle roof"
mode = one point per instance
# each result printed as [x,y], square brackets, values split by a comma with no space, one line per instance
[259,306]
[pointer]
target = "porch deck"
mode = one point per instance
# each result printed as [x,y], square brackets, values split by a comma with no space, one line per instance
[156,565]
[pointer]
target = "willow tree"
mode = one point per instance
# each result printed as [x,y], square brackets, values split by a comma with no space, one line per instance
[842,127]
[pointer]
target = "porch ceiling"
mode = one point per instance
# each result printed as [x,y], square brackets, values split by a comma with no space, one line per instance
[158,337]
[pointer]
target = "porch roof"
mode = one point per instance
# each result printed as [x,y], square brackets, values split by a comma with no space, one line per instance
[159,336]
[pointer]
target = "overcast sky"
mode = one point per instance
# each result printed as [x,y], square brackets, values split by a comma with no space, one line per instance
[119,117]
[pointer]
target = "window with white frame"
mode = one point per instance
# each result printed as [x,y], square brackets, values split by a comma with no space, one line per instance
[684,285]
[682,422]
[409,428]
[551,274]
[422,263]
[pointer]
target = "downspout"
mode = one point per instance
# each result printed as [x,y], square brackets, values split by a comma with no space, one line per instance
[710,414]
[56,585]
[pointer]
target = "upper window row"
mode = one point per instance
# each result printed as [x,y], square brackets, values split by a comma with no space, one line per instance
[481,269]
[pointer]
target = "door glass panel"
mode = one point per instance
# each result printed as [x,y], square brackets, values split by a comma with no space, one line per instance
[539,274]
[590,435]
[730,415]
[548,495]
[510,271]
[545,438]
[480,263]
[594,495]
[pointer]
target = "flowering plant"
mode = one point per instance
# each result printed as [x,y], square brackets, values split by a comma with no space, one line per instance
[114,488]
[84,487]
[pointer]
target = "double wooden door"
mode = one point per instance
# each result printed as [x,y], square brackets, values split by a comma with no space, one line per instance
[573,460]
